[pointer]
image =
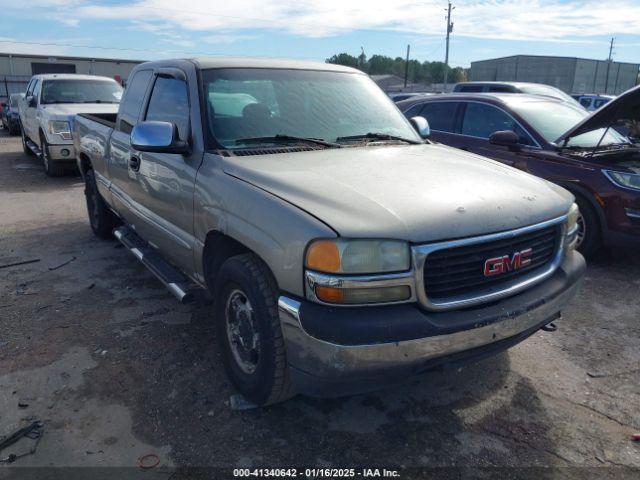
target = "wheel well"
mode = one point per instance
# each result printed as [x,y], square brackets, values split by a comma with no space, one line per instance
[85,164]
[218,247]
[590,199]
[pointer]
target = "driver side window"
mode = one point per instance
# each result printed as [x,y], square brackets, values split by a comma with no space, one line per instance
[169,102]
[482,120]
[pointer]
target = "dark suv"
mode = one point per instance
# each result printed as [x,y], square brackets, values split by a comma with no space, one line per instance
[595,156]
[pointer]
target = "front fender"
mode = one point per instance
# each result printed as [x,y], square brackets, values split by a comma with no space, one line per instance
[275,230]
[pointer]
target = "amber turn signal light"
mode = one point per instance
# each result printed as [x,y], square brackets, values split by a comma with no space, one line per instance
[323,256]
[330,294]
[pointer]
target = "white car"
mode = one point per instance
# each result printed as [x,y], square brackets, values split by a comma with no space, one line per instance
[593,102]
[49,107]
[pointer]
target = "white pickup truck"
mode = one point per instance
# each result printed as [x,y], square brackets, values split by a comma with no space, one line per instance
[48,109]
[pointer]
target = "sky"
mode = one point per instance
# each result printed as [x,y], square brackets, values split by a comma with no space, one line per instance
[317,29]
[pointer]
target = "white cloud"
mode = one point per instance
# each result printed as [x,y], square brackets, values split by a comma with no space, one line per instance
[541,20]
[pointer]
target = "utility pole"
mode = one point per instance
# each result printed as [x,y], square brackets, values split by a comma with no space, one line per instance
[606,82]
[406,67]
[446,56]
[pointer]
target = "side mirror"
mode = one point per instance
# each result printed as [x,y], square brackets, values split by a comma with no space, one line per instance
[505,138]
[158,137]
[421,125]
[31,101]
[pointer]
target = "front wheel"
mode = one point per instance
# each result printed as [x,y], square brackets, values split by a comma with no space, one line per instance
[589,231]
[51,168]
[248,330]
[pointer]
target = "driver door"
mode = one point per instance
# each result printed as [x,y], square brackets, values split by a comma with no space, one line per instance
[480,121]
[165,181]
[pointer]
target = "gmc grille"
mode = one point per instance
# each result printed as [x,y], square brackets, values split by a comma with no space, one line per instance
[459,271]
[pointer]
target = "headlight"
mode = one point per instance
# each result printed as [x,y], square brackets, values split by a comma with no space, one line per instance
[358,256]
[347,258]
[61,128]
[571,228]
[623,179]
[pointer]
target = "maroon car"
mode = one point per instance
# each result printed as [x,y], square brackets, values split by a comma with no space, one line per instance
[595,156]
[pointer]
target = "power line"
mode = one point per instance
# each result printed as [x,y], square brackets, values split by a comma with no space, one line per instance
[148,50]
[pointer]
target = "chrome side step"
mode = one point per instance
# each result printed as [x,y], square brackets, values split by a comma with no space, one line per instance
[34,148]
[175,281]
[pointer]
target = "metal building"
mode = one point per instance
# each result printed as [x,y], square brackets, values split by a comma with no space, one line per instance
[570,74]
[16,69]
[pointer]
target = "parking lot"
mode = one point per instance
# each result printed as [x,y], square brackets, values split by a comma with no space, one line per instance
[92,345]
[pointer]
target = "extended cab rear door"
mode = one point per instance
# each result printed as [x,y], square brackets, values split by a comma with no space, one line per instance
[123,178]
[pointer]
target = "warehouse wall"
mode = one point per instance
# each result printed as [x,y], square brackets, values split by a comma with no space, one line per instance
[15,74]
[572,75]
[109,68]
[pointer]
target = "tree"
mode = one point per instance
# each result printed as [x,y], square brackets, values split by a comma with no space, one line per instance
[425,72]
[343,59]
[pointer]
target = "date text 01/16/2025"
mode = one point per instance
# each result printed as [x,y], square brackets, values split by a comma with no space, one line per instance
[316,472]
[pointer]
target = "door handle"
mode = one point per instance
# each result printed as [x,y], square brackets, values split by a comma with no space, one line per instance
[466,149]
[134,163]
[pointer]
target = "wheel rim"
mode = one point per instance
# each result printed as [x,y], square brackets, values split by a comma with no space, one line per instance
[582,230]
[242,331]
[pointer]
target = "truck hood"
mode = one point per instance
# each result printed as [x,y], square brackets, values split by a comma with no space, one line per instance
[417,193]
[67,111]
[625,107]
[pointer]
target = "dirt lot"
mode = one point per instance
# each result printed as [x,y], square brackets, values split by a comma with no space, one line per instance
[116,369]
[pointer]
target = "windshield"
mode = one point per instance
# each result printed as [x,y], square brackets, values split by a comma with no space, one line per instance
[549,92]
[251,103]
[81,91]
[552,119]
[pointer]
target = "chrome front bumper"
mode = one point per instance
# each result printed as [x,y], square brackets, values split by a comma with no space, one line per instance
[316,360]
[56,152]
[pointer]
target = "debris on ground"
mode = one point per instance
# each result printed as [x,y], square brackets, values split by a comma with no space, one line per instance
[239,402]
[635,437]
[55,267]
[23,262]
[33,431]
[148,461]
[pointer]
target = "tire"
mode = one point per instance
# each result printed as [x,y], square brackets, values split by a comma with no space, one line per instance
[25,149]
[101,219]
[590,230]
[50,167]
[261,374]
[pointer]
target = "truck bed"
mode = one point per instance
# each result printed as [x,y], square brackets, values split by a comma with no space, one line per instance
[106,119]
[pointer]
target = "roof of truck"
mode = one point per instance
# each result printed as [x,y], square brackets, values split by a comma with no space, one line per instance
[70,76]
[247,62]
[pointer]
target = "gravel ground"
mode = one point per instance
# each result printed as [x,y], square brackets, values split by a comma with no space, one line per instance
[117,369]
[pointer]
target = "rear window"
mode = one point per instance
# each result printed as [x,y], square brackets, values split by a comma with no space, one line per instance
[469,88]
[585,102]
[440,115]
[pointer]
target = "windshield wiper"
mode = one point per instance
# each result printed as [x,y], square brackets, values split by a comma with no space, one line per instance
[378,136]
[97,101]
[287,139]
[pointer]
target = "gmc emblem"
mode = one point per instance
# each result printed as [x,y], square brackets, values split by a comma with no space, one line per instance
[504,264]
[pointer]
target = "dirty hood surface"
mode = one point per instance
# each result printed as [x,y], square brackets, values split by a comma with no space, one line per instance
[624,107]
[417,193]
